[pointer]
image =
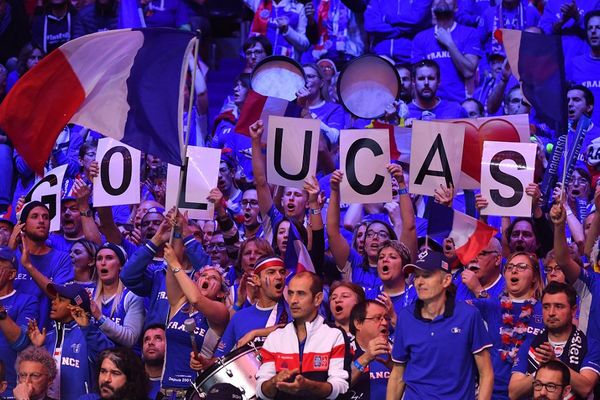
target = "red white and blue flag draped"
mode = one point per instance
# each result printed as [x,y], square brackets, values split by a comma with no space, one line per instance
[125,84]
[296,259]
[470,235]
[256,106]
[537,61]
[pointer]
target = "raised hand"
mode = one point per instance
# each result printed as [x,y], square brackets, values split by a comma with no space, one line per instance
[256,130]
[336,178]
[36,336]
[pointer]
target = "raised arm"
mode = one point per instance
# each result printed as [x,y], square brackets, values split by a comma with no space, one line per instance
[82,191]
[214,311]
[570,268]
[594,230]
[337,243]
[408,235]
[265,201]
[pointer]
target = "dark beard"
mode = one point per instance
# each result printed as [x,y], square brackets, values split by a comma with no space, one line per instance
[443,11]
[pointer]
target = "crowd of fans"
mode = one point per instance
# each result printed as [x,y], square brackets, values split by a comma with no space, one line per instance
[135,302]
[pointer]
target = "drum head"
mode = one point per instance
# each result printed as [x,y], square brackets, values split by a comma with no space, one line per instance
[278,76]
[367,85]
[238,368]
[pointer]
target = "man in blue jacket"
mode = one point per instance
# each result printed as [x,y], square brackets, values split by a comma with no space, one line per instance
[74,341]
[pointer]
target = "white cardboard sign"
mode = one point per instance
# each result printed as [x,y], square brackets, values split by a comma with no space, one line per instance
[119,178]
[292,147]
[506,170]
[365,154]
[201,177]
[48,191]
[435,157]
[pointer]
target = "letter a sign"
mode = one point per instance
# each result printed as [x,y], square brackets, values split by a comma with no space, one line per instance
[436,154]
[292,146]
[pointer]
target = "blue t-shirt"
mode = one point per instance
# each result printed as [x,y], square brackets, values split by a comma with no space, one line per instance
[367,278]
[21,308]
[463,293]
[400,301]
[492,312]
[426,46]
[439,353]
[443,110]
[248,319]
[588,289]
[571,32]
[177,373]
[333,116]
[518,18]
[372,384]
[56,266]
[585,70]
[167,13]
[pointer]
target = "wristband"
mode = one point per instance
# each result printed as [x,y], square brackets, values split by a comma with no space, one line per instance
[101,320]
[403,191]
[177,235]
[236,307]
[315,211]
[358,366]
[569,212]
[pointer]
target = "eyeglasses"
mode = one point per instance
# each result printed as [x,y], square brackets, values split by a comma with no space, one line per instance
[383,235]
[216,246]
[550,387]
[484,253]
[521,267]
[579,181]
[250,53]
[251,203]
[35,376]
[378,318]
[549,269]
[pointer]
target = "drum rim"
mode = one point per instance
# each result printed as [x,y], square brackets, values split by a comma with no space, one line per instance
[358,59]
[266,60]
[217,366]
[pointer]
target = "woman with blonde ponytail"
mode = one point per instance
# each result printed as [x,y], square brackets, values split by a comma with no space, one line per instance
[118,312]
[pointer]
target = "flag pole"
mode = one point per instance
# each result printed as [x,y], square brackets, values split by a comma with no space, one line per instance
[186,131]
[565,166]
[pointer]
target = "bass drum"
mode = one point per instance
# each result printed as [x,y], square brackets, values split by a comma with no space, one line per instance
[238,368]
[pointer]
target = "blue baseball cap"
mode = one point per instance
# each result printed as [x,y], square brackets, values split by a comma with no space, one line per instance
[430,261]
[74,292]
[7,254]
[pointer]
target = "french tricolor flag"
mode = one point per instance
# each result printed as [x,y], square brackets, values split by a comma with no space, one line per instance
[256,106]
[125,84]
[297,258]
[470,235]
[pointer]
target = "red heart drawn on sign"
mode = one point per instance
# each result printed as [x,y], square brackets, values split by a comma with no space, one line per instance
[497,130]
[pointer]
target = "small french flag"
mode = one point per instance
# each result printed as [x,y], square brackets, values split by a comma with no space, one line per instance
[470,235]
[297,258]
[256,106]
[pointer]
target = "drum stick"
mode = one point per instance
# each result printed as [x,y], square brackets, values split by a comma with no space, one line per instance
[190,327]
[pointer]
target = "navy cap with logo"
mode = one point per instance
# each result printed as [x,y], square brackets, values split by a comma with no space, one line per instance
[224,391]
[430,261]
[7,254]
[74,292]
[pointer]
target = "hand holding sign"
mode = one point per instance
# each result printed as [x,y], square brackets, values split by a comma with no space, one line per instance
[506,172]
[118,179]
[365,154]
[299,134]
